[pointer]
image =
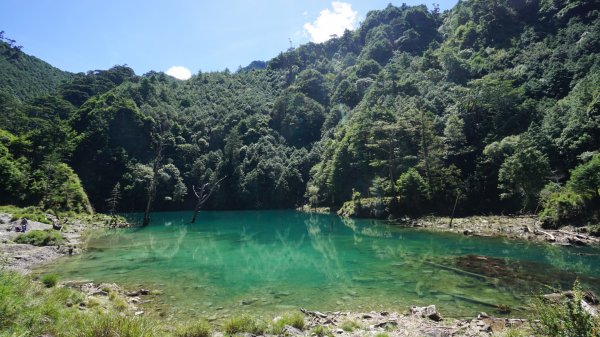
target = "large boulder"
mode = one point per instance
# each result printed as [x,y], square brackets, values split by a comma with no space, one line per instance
[426,312]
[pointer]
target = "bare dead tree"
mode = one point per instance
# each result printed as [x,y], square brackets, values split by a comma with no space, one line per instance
[203,194]
[154,180]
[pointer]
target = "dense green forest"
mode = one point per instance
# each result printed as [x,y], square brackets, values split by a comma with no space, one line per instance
[491,107]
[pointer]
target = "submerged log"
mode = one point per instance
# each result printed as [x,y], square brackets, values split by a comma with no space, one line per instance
[475,301]
[464,272]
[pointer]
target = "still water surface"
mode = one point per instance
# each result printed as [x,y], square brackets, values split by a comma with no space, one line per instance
[266,262]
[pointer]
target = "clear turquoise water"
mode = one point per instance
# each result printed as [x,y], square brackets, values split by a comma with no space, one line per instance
[266,262]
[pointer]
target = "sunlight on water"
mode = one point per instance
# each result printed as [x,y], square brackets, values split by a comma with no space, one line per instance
[266,262]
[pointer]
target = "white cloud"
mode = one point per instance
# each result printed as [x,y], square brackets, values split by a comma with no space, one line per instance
[332,22]
[179,72]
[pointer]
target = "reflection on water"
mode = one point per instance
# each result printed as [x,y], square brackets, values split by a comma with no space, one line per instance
[269,261]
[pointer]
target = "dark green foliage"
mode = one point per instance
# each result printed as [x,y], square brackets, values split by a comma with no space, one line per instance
[412,191]
[577,201]
[59,188]
[297,118]
[561,206]
[47,237]
[480,106]
[523,174]
[585,179]
[13,172]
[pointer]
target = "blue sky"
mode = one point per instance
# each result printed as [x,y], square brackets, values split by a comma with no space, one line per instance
[82,35]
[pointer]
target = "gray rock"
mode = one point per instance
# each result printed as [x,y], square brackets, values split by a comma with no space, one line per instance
[438,333]
[5,218]
[291,331]
[427,312]
[589,309]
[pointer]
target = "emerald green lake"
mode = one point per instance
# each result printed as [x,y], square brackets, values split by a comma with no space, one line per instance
[268,262]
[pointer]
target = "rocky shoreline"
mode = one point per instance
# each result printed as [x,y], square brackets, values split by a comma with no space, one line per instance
[417,321]
[514,227]
[525,228]
[24,258]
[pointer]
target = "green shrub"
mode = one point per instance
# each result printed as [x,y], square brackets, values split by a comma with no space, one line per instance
[585,178]
[49,280]
[244,323]
[198,329]
[564,317]
[561,205]
[295,320]
[47,237]
[60,189]
[412,190]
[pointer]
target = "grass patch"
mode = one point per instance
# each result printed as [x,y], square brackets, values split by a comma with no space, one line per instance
[48,237]
[92,302]
[295,320]
[349,325]
[31,213]
[382,334]
[28,308]
[119,303]
[321,331]
[49,280]
[511,332]
[113,325]
[244,323]
[198,329]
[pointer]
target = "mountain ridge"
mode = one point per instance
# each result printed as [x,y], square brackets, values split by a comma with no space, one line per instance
[434,109]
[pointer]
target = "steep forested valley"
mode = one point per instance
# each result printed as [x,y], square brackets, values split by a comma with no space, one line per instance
[490,107]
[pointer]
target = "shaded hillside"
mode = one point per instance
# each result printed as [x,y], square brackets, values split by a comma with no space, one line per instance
[489,106]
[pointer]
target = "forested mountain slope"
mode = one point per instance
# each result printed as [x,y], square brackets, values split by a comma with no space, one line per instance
[26,76]
[493,106]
